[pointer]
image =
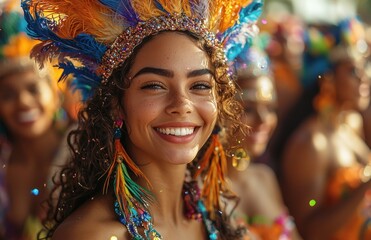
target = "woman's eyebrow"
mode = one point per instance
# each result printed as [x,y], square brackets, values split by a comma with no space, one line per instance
[153,70]
[169,73]
[199,72]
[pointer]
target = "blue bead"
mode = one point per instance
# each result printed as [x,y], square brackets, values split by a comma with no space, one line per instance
[117,134]
[213,236]
[132,229]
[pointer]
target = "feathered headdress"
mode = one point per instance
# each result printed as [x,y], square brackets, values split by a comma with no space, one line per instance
[254,61]
[15,45]
[327,45]
[92,38]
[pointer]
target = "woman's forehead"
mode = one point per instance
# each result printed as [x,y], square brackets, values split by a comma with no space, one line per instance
[173,51]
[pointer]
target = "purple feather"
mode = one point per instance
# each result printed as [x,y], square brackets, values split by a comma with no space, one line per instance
[124,9]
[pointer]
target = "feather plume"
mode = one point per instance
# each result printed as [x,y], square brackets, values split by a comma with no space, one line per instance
[44,52]
[75,17]
[38,28]
[84,80]
[124,9]
[213,165]
[146,9]
[200,8]
[252,12]
[186,7]
[170,6]
[215,10]
[124,187]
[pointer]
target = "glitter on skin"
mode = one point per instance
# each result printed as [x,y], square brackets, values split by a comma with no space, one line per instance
[113,238]
[35,191]
[312,202]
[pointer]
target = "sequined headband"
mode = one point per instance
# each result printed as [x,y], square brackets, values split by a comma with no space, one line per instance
[126,42]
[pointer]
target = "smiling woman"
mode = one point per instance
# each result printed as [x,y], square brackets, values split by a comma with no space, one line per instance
[30,135]
[147,163]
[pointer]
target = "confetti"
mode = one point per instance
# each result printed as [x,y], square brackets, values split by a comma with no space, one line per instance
[312,202]
[35,191]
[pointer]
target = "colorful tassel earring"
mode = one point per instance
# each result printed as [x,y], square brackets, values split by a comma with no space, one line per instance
[214,165]
[132,200]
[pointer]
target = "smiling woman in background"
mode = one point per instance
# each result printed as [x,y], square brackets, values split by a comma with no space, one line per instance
[325,163]
[255,183]
[31,133]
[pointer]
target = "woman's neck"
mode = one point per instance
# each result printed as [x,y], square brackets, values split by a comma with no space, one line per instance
[167,186]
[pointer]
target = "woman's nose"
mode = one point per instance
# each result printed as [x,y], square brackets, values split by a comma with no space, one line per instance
[24,99]
[179,103]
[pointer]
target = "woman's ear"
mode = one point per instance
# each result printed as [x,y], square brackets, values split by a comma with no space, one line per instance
[117,110]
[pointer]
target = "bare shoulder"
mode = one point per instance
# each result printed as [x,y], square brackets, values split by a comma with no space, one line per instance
[307,149]
[261,171]
[265,178]
[95,219]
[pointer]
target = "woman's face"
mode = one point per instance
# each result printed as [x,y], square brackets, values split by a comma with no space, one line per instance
[352,86]
[259,102]
[170,107]
[27,104]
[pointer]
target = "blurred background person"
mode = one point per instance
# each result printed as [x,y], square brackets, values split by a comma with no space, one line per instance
[284,50]
[32,128]
[366,114]
[324,161]
[255,184]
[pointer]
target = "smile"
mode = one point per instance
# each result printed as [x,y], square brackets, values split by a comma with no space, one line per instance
[28,116]
[184,131]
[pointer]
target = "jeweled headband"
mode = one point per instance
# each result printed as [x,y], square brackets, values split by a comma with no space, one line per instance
[124,44]
[91,38]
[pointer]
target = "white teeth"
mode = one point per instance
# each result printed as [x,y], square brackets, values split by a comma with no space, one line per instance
[176,131]
[29,116]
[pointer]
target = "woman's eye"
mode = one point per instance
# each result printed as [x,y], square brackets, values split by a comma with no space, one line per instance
[34,89]
[155,86]
[202,86]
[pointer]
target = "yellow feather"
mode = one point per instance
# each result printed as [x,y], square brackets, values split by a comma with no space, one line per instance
[186,8]
[145,9]
[86,16]
[214,14]
[224,14]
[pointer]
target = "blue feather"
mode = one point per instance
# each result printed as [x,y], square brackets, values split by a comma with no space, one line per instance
[84,81]
[252,12]
[124,9]
[249,14]
[238,38]
[159,6]
[85,44]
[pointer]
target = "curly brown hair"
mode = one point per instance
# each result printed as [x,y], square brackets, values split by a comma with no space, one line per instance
[92,143]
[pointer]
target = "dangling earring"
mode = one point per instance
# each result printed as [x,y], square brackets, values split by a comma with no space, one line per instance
[214,165]
[240,159]
[132,200]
